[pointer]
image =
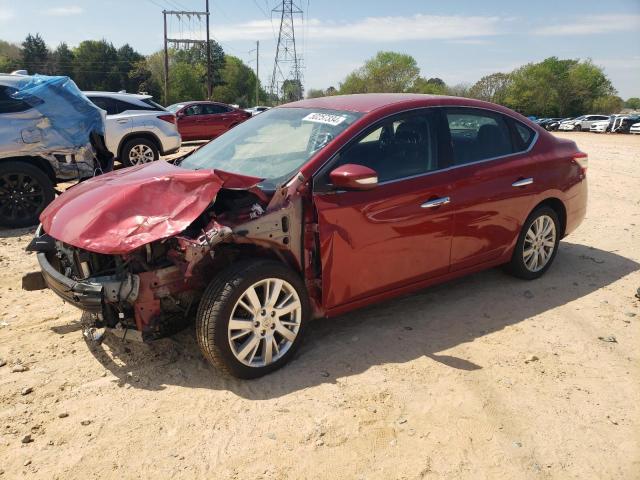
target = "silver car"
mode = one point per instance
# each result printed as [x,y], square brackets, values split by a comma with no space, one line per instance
[49,133]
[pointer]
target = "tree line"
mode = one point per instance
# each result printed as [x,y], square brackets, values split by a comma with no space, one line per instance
[551,88]
[98,65]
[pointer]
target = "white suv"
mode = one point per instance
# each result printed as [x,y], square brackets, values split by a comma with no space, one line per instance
[581,124]
[137,130]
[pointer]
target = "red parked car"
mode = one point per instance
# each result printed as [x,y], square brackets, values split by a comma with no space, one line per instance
[335,203]
[206,120]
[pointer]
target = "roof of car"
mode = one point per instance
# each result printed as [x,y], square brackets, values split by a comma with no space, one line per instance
[367,102]
[10,79]
[118,95]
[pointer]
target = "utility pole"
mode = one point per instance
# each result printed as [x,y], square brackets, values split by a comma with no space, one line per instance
[209,72]
[257,72]
[286,52]
[188,42]
[166,60]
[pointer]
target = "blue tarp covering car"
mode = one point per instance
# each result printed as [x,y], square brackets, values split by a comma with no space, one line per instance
[49,132]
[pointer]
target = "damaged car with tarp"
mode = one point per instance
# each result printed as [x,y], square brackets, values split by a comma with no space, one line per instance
[311,209]
[50,133]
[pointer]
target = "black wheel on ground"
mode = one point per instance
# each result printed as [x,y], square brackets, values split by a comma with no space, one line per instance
[578,128]
[25,191]
[252,318]
[537,245]
[138,151]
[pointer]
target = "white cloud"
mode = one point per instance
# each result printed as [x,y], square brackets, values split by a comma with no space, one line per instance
[387,29]
[592,24]
[5,14]
[64,11]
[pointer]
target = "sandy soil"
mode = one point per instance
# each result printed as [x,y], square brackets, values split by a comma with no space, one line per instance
[487,377]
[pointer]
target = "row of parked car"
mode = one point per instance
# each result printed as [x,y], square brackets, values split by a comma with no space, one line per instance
[51,132]
[594,123]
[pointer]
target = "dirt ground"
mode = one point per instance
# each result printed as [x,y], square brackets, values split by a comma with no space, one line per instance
[487,377]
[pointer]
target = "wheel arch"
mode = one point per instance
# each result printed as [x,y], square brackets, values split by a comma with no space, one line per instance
[39,162]
[145,135]
[557,206]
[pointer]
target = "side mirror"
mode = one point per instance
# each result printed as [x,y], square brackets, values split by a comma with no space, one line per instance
[354,177]
[179,114]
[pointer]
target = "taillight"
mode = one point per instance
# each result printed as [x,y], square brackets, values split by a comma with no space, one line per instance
[582,159]
[168,118]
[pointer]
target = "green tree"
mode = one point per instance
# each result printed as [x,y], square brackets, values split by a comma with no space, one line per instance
[386,72]
[238,84]
[491,88]
[433,86]
[459,90]
[142,80]
[557,88]
[185,82]
[63,60]
[96,66]
[291,91]
[607,104]
[127,57]
[331,91]
[35,54]
[10,56]
[315,93]
[633,103]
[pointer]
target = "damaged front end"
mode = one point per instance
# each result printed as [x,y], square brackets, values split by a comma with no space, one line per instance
[147,283]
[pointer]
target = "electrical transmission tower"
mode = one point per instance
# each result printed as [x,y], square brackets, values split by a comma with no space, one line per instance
[288,64]
[177,42]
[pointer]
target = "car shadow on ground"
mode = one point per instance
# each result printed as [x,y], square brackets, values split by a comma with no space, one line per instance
[398,331]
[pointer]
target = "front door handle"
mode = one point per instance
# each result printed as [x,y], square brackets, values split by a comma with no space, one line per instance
[436,202]
[523,182]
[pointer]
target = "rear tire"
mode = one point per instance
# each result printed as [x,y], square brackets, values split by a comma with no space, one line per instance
[537,245]
[269,306]
[25,191]
[138,151]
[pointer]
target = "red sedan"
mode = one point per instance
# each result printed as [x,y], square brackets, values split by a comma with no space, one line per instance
[335,203]
[206,120]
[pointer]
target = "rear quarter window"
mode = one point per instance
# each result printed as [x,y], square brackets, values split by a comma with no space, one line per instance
[524,137]
[478,134]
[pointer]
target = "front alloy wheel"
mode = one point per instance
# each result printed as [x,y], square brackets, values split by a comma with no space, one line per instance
[251,318]
[265,322]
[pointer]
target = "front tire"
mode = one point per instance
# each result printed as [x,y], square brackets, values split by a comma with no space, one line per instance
[25,191]
[252,318]
[537,245]
[138,151]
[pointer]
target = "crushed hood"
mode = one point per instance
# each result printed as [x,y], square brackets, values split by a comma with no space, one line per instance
[123,210]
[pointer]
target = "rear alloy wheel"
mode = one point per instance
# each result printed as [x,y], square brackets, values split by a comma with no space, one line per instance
[537,245]
[139,151]
[25,191]
[251,318]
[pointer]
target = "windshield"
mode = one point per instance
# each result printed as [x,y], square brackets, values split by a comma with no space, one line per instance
[273,145]
[175,107]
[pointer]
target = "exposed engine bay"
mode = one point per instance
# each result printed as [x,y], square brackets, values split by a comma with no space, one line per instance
[153,290]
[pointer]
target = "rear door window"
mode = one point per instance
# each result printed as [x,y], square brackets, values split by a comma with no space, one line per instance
[9,104]
[212,109]
[477,135]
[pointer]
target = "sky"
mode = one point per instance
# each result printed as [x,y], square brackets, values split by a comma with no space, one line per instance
[457,41]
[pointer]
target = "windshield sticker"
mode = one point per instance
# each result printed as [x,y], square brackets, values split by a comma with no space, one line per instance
[326,118]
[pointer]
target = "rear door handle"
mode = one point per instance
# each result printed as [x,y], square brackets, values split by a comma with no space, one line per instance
[522,182]
[436,202]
